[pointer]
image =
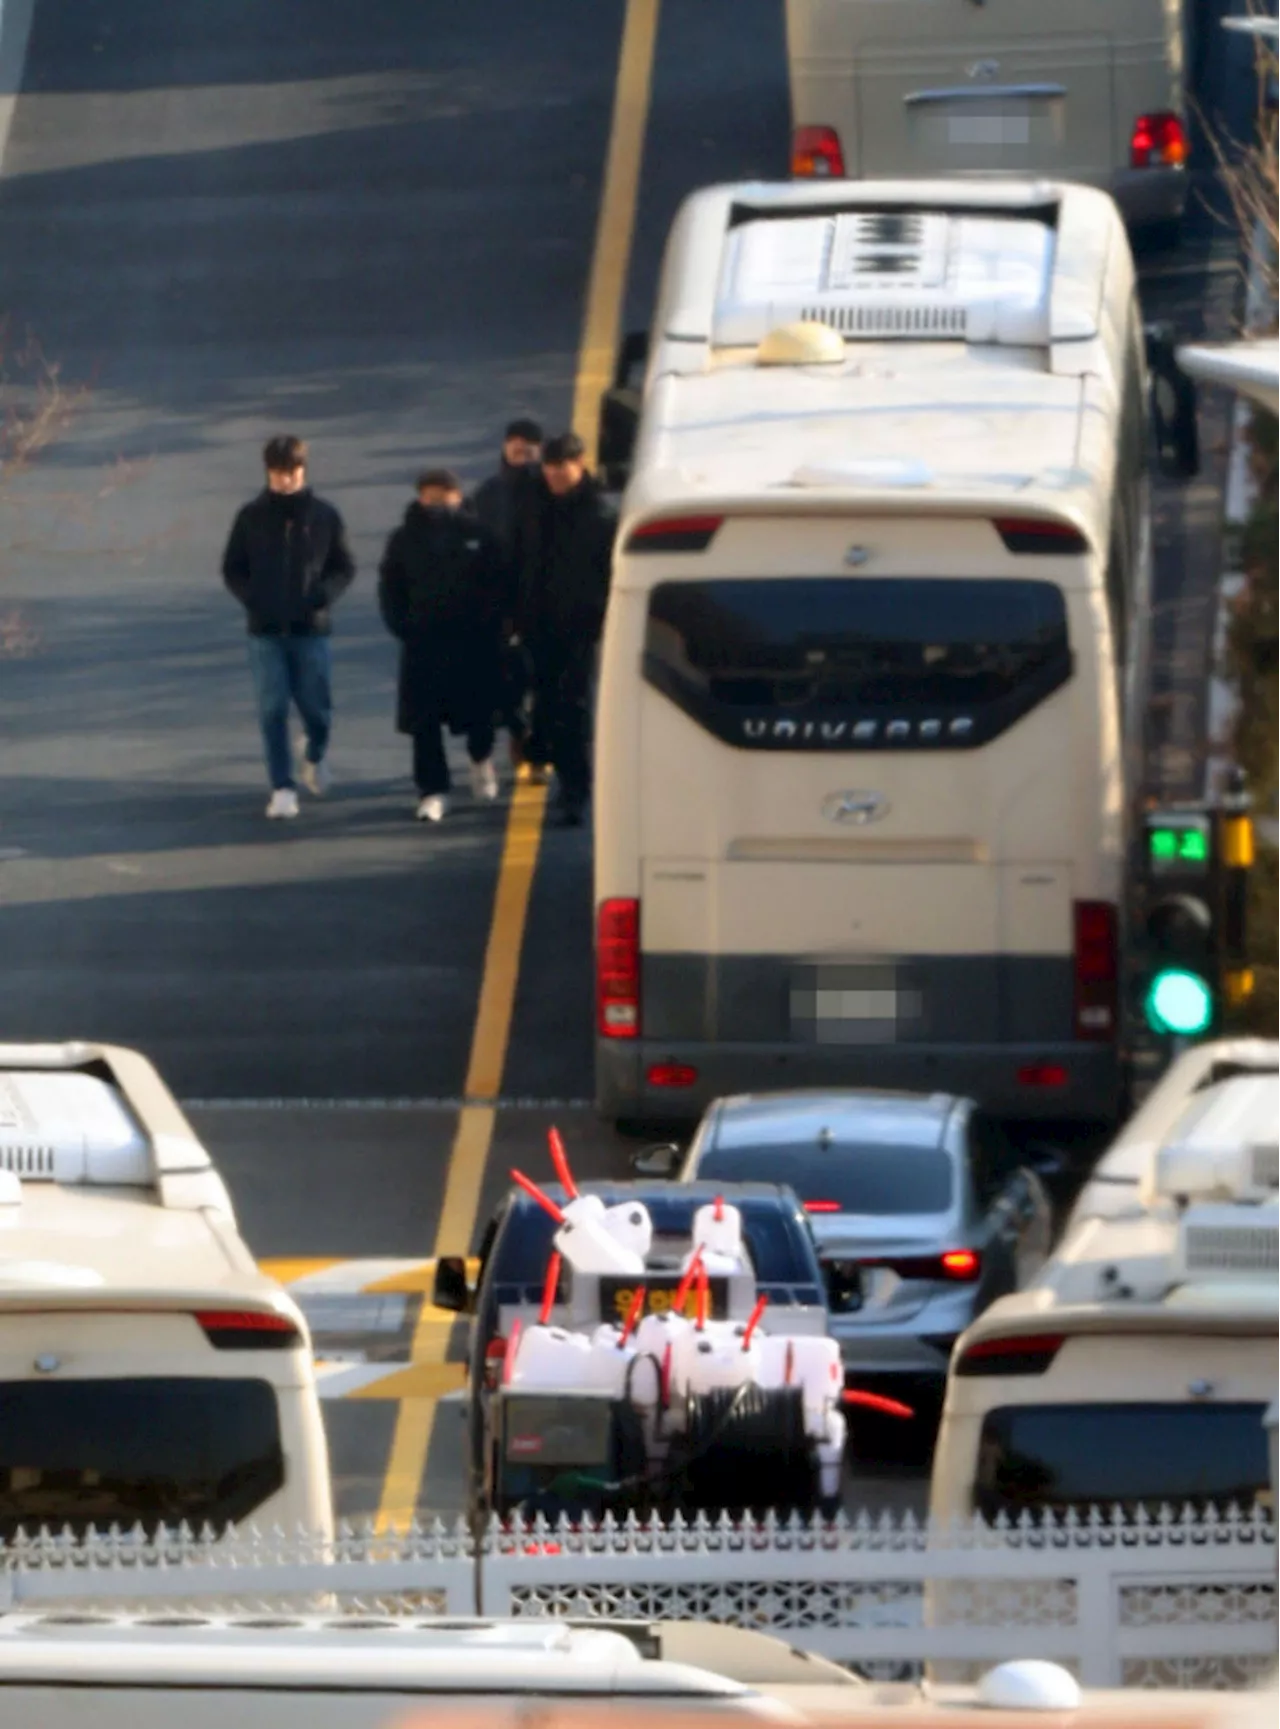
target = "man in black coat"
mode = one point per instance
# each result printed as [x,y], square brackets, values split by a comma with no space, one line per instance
[287,561]
[502,503]
[442,590]
[566,546]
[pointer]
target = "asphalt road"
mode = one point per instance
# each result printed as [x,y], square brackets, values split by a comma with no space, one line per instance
[370,223]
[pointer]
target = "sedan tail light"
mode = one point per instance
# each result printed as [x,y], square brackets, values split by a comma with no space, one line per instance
[1158,141]
[961,1266]
[816,153]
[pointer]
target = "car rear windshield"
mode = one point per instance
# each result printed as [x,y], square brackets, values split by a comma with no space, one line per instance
[146,1452]
[777,1242]
[857,1179]
[911,661]
[1056,1458]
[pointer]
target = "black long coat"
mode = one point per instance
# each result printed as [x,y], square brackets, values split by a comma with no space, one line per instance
[442,587]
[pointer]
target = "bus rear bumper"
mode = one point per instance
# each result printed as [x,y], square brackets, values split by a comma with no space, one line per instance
[1076,1082]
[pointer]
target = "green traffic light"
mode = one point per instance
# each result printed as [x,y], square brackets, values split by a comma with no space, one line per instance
[1179,1002]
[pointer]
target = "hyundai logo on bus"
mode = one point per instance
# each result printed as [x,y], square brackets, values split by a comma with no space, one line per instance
[856,807]
[954,731]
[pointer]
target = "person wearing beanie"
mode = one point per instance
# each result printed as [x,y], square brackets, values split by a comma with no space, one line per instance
[287,562]
[442,591]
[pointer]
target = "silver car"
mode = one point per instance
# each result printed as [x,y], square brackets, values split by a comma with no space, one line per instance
[922,1210]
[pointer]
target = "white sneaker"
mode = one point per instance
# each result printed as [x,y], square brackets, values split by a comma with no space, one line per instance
[283,803]
[484,780]
[315,776]
[433,808]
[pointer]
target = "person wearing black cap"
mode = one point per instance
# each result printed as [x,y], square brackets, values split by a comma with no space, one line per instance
[565,554]
[502,504]
[442,589]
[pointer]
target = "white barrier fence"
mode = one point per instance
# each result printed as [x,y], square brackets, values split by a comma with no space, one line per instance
[1175,1600]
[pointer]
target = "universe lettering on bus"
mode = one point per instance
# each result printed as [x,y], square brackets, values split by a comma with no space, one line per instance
[960,728]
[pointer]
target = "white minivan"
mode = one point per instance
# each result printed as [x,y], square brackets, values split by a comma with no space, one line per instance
[1091,92]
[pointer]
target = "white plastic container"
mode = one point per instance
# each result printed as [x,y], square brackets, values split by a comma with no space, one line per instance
[587,1243]
[830,1450]
[717,1231]
[631,1226]
[812,1364]
[608,1362]
[551,1357]
[712,1358]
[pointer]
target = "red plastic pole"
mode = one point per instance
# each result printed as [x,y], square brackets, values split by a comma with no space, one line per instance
[762,1303]
[633,1315]
[719,1212]
[560,1159]
[549,1289]
[509,1361]
[704,1296]
[686,1283]
[877,1402]
[544,1201]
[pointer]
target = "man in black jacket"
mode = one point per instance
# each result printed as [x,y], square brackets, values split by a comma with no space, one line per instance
[565,554]
[287,562]
[442,590]
[502,503]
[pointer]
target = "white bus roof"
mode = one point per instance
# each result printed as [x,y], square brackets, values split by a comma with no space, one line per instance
[970,313]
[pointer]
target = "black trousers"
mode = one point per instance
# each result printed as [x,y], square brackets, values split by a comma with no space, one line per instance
[431,770]
[561,724]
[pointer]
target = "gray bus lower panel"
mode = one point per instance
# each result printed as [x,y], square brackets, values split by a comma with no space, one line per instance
[1008,1079]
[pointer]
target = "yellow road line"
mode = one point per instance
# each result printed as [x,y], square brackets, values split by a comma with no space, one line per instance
[287,1271]
[616,224]
[606,285]
[471,1143]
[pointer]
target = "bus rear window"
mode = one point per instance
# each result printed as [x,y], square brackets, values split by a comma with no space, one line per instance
[847,663]
[149,1451]
[1060,1458]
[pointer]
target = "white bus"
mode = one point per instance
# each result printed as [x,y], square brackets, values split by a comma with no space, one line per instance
[872,679]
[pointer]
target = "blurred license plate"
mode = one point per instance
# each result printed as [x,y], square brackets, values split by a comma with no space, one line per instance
[617,1296]
[857,1002]
[1010,127]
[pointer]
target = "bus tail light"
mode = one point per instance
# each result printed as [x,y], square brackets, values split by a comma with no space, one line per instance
[1043,1075]
[618,969]
[1097,971]
[816,153]
[1029,1355]
[671,1075]
[1158,141]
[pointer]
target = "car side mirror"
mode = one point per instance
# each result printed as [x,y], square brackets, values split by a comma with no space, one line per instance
[662,1161]
[451,1289]
[620,410]
[1173,405]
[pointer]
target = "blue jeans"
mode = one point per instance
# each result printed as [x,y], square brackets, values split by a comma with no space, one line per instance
[291,669]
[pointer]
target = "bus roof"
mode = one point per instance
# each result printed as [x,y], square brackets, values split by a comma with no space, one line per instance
[953,331]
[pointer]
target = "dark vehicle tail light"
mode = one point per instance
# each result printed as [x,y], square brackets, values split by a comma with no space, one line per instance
[1096,971]
[247,1329]
[816,153]
[1031,535]
[674,534]
[1031,1354]
[1158,141]
[618,969]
